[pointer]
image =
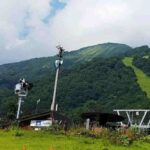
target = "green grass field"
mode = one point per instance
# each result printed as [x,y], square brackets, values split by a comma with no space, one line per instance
[142,79]
[33,140]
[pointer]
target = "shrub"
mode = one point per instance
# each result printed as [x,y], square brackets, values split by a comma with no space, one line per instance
[101,132]
[18,133]
[118,137]
[124,140]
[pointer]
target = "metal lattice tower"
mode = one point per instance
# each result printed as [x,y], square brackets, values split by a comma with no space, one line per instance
[142,122]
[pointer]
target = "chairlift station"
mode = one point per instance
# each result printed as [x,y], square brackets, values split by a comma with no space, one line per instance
[139,118]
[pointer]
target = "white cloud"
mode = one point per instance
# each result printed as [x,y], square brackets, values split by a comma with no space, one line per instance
[80,23]
[90,21]
[15,15]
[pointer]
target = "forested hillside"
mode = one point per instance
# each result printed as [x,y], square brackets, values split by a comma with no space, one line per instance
[143,63]
[91,79]
[37,68]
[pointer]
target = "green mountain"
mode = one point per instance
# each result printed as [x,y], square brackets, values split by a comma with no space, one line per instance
[92,78]
[105,50]
[39,67]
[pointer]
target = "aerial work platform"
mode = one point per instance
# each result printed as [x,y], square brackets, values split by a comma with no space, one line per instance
[139,118]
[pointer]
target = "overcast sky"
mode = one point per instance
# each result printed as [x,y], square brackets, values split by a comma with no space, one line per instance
[32,28]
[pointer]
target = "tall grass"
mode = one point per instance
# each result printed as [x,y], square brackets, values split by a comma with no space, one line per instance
[80,139]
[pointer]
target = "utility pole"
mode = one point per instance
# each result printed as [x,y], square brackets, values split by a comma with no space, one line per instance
[58,63]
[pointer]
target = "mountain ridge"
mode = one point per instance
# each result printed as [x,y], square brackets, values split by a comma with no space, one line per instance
[45,65]
[70,52]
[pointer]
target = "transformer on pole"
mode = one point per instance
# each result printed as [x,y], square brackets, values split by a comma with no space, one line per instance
[58,63]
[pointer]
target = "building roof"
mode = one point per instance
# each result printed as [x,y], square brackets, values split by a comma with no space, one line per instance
[103,118]
[25,120]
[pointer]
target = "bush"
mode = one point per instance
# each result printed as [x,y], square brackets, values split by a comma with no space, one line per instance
[101,132]
[124,140]
[18,133]
[118,137]
[124,136]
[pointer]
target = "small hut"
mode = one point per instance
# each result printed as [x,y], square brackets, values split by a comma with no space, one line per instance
[42,120]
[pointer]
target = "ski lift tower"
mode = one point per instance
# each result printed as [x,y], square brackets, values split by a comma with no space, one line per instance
[58,63]
[21,89]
